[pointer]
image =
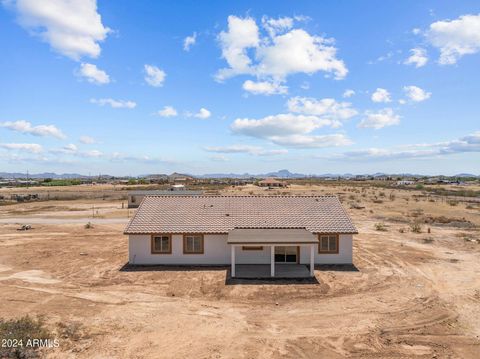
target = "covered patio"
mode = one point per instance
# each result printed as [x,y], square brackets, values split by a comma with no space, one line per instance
[283,262]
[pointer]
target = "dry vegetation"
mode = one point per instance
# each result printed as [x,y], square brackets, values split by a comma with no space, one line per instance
[414,290]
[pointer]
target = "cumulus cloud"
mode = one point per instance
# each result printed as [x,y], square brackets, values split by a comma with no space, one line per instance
[264,88]
[469,143]
[381,95]
[87,140]
[418,57]
[71,27]
[379,119]
[348,93]
[283,51]
[154,76]
[455,38]
[167,111]
[40,130]
[416,94]
[93,74]
[114,103]
[289,130]
[26,147]
[203,114]
[189,41]
[252,150]
[327,108]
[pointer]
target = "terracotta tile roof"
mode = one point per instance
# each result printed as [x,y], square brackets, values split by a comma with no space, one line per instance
[220,214]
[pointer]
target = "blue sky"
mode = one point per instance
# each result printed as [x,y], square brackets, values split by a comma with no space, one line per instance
[130,88]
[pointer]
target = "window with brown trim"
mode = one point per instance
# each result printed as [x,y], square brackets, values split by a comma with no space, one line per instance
[161,244]
[193,244]
[252,248]
[328,243]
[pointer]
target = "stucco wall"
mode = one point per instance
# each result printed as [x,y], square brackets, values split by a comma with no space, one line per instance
[217,252]
[344,255]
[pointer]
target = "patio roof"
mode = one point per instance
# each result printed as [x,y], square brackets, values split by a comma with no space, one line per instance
[271,236]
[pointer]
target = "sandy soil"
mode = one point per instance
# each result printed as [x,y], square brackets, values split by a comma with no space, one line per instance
[408,294]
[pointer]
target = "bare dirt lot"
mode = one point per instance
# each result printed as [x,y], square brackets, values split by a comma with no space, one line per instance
[408,295]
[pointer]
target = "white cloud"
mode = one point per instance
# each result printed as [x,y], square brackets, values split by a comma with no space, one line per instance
[252,150]
[87,140]
[189,41]
[289,130]
[93,74]
[167,111]
[264,88]
[276,26]
[202,114]
[72,27]
[327,108]
[381,95]
[418,57]
[284,51]
[469,143]
[348,93]
[314,141]
[416,94]
[27,147]
[380,119]
[114,103]
[40,130]
[154,76]
[455,38]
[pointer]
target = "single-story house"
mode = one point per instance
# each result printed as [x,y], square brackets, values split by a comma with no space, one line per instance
[241,230]
[136,197]
[271,182]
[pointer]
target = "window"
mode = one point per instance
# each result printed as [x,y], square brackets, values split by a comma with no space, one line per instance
[193,244]
[161,244]
[328,243]
[252,248]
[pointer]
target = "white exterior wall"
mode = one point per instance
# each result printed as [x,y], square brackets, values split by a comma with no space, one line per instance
[344,255]
[217,252]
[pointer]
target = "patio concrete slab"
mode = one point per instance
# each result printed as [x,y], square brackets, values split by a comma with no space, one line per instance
[263,271]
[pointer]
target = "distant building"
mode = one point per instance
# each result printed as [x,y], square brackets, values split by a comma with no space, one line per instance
[136,197]
[405,183]
[272,182]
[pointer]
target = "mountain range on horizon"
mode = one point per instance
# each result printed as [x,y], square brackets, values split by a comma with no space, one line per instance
[284,173]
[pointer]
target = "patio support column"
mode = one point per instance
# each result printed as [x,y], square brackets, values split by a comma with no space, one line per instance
[232,272]
[272,261]
[312,260]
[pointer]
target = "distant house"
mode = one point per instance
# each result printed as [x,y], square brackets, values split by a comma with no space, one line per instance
[136,197]
[284,235]
[405,183]
[272,182]
[179,178]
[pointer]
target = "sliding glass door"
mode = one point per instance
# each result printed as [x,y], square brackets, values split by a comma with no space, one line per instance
[286,254]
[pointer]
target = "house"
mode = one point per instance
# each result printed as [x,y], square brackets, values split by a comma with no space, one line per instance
[269,231]
[136,197]
[272,182]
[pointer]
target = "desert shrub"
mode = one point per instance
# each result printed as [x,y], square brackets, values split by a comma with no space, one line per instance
[382,194]
[392,196]
[402,230]
[452,203]
[351,197]
[24,329]
[89,225]
[416,227]
[417,212]
[377,201]
[70,330]
[419,186]
[381,227]
[469,207]
[428,240]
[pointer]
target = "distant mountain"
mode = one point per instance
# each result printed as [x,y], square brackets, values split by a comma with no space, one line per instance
[466,175]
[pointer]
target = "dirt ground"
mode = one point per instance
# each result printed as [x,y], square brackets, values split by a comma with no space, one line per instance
[407,295]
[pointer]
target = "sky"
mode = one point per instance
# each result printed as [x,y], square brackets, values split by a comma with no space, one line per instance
[131,88]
